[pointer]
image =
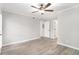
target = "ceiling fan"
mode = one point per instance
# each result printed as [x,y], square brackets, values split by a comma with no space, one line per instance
[42,8]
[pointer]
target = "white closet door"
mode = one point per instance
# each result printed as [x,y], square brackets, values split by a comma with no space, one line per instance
[47,29]
[54,28]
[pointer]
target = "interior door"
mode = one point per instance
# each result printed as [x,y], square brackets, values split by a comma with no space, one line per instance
[47,29]
[54,29]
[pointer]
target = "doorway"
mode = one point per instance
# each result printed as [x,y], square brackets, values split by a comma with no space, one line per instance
[45,29]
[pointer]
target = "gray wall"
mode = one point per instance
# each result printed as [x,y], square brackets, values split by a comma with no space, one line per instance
[17,28]
[68,27]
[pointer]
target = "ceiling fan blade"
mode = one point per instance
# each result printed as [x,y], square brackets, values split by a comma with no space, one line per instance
[49,10]
[34,7]
[34,11]
[47,5]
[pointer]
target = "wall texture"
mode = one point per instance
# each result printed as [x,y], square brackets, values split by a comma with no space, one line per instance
[17,28]
[68,27]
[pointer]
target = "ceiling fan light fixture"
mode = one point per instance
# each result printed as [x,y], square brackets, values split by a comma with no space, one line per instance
[41,11]
[43,8]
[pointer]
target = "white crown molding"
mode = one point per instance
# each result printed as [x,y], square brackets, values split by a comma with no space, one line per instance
[67,9]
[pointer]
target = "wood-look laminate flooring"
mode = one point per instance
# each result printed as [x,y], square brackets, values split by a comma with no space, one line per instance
[40,46]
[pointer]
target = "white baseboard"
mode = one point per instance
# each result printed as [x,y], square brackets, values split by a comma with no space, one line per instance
[67,45]
[20,41]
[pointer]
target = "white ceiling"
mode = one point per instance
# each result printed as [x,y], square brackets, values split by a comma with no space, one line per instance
[25,9]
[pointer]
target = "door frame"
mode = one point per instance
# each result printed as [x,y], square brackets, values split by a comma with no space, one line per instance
[42,28]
